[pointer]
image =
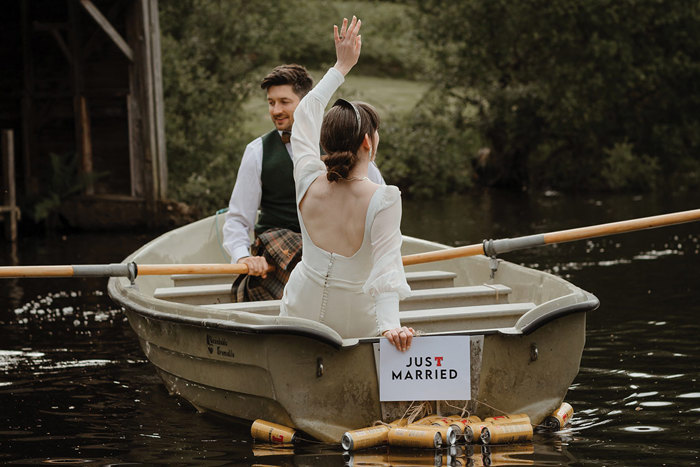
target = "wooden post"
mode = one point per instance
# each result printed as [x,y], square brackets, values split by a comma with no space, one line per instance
[31,183]
[82,124]
[9,207]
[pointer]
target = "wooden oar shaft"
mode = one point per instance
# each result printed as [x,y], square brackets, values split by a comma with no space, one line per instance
[613,228]
[494,247]
[164,269]
[120,270]
[442,255]
[36,271]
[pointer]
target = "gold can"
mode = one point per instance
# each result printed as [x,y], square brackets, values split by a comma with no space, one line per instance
[559,418]
[517,418]
[472,431]
[471,418]
[449,433]
[365,437]
[427,420]
[506,433]
[272,432]
[456,424]
[415,437]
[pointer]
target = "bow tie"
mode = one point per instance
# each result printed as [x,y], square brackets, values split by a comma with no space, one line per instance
[286,135]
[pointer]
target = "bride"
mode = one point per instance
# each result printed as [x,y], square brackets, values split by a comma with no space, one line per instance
[351,277]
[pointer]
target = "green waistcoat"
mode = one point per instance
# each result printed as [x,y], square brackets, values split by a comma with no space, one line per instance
[278,205]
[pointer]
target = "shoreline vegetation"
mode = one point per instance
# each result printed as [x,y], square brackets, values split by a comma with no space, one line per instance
[571,96]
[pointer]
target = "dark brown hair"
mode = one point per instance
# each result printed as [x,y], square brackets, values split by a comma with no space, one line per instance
[293,74]
[340,138]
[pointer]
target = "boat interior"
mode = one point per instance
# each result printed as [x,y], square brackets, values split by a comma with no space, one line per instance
[470,295]
[435,304]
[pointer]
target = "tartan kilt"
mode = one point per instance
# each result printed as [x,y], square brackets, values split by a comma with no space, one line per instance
[281,248]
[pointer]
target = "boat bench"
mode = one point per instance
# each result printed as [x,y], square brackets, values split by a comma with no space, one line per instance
[200,291]
[417,280]
[440,299]
[467,317]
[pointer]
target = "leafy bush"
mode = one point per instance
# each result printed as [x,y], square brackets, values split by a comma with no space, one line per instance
[557,81]
[423,153]
[623,170]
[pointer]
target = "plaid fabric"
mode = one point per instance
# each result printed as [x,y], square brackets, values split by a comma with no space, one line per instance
[281,249]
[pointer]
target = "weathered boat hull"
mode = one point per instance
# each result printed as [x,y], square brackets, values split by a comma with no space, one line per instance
[302,374]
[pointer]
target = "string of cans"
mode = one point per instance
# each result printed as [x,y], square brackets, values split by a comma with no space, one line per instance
[430,432]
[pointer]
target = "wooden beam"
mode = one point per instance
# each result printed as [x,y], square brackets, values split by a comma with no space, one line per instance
[159,110]
[86,145]
[53,29]
[94,39]
[8,185]
[83,141]
[108,28]
[31,184]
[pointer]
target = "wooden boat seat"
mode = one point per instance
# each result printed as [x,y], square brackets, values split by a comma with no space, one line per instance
[195,289]
[467,317]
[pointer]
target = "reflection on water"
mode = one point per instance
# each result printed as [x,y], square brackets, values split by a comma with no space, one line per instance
[75,387]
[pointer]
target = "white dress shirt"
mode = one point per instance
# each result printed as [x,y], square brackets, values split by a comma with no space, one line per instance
[245,199]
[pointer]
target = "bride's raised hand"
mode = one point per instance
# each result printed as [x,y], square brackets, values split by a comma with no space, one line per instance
[348,44]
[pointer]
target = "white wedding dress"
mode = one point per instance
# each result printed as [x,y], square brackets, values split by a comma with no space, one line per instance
[357,296]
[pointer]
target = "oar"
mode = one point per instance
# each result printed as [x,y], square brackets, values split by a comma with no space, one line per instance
[496,247]
[488,247]
[120,270]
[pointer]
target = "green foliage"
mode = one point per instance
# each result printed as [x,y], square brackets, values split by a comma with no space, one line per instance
[622,169]
[214,55]
[209,52]
[423,153]
[65,179]
[556,82]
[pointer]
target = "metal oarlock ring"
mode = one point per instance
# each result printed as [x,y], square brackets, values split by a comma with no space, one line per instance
[132,272]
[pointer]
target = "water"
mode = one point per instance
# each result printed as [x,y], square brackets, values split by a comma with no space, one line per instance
[75,387]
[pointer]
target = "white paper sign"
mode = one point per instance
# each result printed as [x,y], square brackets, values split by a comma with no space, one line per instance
[434,368]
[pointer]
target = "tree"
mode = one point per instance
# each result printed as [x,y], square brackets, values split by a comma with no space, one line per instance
[560,89]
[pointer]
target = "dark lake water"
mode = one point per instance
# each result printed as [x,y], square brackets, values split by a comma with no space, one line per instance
[75,387]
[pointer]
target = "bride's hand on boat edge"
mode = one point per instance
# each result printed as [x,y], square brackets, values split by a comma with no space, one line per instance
[400,338]
[348,44]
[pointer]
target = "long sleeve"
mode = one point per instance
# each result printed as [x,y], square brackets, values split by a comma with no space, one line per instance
[306,132]
[244,203]
[387,279]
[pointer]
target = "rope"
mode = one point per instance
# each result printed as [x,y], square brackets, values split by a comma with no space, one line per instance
[501,411]
[463,410]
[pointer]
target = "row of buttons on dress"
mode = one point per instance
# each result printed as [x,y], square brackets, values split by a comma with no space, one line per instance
[324,299]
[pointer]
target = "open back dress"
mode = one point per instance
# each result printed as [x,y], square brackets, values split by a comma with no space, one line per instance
[357,296]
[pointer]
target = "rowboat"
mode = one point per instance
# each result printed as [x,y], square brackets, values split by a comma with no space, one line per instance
[527,332]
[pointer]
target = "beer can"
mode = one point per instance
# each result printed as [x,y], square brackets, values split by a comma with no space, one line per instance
[427,420]
[458,425]
[559,418]
[506,433]
[415,437]
[448,433]
[365,437]
[517,418]
[471,418]
[272,432]
[472,431]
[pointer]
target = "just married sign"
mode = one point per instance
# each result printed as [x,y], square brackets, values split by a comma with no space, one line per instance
[434,368]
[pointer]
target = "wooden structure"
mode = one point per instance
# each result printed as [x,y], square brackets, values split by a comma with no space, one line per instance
[9,207]
[81,80]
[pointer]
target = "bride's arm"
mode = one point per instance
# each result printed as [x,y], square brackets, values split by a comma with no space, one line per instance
[306,132]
